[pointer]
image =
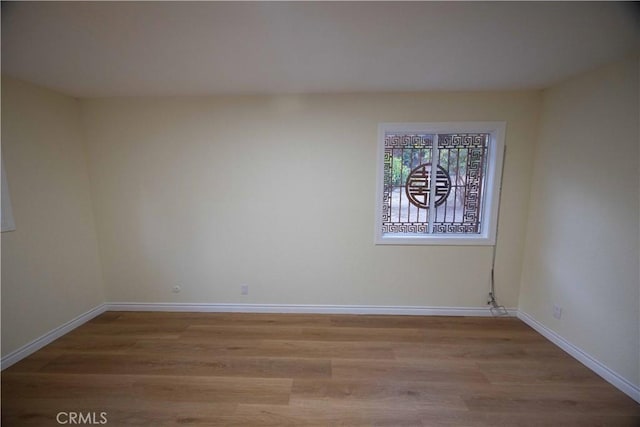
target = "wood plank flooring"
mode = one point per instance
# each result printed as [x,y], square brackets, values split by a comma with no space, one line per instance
[221,369]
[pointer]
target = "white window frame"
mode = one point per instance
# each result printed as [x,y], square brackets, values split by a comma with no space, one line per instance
[487,236]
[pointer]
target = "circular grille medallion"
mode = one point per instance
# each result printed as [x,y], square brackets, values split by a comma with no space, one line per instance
[418,185]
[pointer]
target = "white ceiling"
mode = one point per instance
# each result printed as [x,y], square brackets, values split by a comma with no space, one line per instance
[194,48]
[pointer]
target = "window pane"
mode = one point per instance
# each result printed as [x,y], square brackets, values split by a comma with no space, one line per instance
[463,157]
[407,158]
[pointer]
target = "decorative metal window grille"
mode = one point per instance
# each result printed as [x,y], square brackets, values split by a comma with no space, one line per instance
[458,206]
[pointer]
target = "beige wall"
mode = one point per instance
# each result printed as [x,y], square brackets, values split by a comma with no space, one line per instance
[582,239]
[278,193]
[50,264]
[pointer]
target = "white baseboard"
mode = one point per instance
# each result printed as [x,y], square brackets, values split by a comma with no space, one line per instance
[306,308]
[590,362]
[35,345]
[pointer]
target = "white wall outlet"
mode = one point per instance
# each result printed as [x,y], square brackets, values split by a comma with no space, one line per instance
[244,289]
[557,312]
[176,289]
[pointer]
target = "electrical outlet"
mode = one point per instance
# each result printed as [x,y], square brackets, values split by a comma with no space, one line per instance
[244,289]
[176,289]
[557,312]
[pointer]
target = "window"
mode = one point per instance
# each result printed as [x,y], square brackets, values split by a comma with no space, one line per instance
[467,160]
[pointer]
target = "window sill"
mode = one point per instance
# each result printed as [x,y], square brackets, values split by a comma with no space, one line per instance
[434,240]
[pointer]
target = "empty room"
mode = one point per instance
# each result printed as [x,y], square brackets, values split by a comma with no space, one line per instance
[320,213]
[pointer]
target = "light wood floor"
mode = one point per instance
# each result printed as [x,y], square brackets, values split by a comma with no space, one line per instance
[210,369]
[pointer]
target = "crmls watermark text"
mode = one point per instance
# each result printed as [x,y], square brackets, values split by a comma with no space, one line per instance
[86,418]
